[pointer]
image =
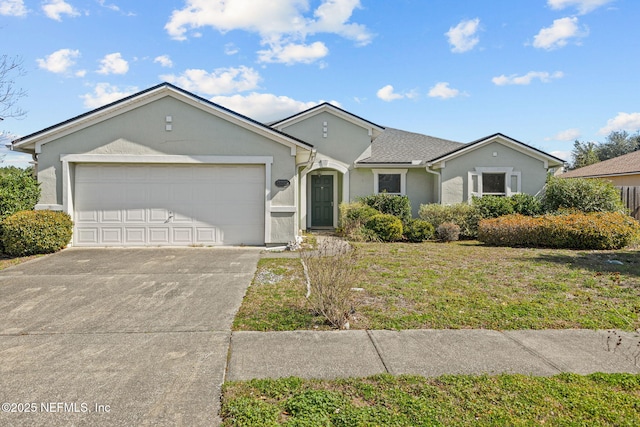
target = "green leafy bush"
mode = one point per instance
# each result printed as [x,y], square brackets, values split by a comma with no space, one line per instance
[36,232]
[19,191]
[353,216]
[597,230]
[448,232]
[526,204]
[463,215]
[586,195]
[390,204]
[492,206]
[418,230]
[387,228]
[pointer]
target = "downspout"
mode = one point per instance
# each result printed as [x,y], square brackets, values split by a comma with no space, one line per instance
[439,177]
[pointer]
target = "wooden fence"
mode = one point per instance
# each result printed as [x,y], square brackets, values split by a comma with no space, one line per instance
[631,199]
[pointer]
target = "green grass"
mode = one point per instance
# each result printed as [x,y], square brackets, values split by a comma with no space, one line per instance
[461,285]
[7,261]
[513,400]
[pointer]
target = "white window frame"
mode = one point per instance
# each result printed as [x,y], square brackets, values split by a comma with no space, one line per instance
[403,179]
[509,175]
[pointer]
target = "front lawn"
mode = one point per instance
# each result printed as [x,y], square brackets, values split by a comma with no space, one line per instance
[7,261]
[513,400]
[460,285]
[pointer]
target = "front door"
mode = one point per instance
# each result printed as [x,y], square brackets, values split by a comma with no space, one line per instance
[322,200]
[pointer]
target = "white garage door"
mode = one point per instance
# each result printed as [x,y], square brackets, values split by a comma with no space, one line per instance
[168,205]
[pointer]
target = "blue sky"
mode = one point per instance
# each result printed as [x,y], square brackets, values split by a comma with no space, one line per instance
[545,72]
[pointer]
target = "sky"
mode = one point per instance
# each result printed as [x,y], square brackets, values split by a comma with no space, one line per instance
[544,72]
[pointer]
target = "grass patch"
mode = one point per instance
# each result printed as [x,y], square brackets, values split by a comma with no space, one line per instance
[7,261]
[462,285]
[515,400]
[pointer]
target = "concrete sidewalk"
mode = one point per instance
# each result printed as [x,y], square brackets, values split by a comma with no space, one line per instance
[335,354]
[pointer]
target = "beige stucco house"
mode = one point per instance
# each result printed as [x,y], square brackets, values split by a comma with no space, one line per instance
[165,167]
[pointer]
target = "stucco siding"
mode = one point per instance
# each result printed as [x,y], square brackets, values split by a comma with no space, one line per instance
[345,141]
[455,182]
[195,132]
[420,189]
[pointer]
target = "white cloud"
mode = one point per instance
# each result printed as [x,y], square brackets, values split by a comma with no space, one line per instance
[558,34]
[280,23]
[54,9]
[13,8]
[113,64]
[387,93]
[218,82]
[443,91]
[164,60]
[564,155]
[294,53]
[230,49]
[526,79]
[583,6]
[265,107]
[566,135]
[463,37]
[623,121]
[59,61]
[105,93]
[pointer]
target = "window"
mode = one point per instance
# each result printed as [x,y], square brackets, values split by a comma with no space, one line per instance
[495,181]
[493,184]
[391,181]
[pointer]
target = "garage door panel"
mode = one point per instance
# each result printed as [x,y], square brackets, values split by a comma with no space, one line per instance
[120,205]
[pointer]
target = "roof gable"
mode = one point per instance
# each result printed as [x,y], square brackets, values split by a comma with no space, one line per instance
[548,159]
[33,142]
[626,164]
[373,128]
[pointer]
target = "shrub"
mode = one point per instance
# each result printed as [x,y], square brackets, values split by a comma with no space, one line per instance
[19,191]
[448,232]
[353,216]
[492,206]
[463,215]
[598,230]
[388,228]
[418,230]
[526,204]
[36,232]
[390,204]
[586,195]
[332,270]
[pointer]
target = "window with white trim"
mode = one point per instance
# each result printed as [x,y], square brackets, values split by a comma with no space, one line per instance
[390,181]
[494,181]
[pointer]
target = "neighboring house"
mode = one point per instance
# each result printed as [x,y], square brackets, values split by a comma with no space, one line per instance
[167,167]
[621,171]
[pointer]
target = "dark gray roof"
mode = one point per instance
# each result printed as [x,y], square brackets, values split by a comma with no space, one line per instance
[398,146]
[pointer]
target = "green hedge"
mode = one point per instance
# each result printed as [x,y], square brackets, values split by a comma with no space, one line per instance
[390,204]
[463,215]
[586,195]
[36,232]
[418,230]
[387,228]
[597,230]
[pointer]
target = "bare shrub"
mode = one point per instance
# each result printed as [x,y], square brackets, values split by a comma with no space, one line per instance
[332,272]
[448,232]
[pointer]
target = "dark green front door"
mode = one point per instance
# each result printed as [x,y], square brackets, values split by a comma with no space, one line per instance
[322,200]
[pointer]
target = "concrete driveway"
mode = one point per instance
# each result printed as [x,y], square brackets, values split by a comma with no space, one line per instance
[119,336]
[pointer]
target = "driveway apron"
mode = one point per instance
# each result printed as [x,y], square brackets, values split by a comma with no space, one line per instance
[119,336]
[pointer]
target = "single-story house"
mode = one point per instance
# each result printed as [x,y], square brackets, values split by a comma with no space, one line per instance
[167,167]
[621,171]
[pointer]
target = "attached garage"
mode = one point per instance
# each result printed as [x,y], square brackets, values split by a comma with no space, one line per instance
[169,205]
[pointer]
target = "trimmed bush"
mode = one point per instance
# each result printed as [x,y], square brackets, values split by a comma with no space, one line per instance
[463,215]
[448,232]
[492,206]
[526,204]
[586,195]
[598,230]
[36,232]
[388,228]
[390,204]
[353,216]
[19,191]
[418,230]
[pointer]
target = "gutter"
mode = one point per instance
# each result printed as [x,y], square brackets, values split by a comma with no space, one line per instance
[439,178]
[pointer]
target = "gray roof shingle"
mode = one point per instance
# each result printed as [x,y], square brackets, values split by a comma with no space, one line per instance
[398,146]
[622,165]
